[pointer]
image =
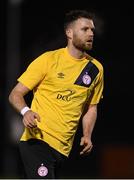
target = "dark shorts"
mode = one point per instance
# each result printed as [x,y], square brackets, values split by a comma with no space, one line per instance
[40,160]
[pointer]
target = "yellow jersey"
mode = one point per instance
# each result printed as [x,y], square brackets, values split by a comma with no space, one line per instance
[61,86]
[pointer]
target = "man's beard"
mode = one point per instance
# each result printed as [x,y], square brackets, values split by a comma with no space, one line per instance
[82,46]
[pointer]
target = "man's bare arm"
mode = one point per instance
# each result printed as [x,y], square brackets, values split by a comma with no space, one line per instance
[16,98]
[88,123]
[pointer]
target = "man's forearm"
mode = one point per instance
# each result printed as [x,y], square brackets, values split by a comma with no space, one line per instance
[17,101]
[88,121]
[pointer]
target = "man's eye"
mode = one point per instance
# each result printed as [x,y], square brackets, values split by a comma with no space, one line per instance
[93,30]
[85,29]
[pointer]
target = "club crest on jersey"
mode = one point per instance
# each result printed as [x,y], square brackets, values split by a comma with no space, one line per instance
[86,79]
[42,170]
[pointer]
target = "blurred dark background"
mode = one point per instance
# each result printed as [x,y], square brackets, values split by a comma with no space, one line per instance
[30,27]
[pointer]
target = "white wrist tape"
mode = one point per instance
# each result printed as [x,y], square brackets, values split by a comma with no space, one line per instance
[24,110]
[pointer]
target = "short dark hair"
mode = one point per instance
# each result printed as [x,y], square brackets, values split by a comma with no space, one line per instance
[76,14]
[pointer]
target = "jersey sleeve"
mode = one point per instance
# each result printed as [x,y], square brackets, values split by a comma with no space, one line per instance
[34,73]
[97,92]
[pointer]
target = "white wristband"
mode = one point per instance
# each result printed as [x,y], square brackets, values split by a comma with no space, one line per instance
[24,110]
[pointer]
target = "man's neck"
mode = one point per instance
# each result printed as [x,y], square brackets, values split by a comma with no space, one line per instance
[76,53]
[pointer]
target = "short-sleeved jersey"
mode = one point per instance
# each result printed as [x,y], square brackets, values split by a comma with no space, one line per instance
[61,86]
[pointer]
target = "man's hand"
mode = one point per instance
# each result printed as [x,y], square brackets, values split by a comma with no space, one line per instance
[86,144]
[30,119]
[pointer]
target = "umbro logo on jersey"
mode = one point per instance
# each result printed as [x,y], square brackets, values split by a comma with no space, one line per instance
[61,75]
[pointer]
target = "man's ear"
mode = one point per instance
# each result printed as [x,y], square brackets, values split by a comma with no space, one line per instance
[69,33]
